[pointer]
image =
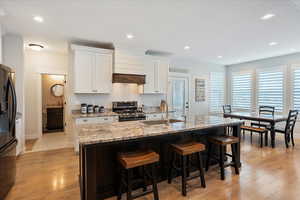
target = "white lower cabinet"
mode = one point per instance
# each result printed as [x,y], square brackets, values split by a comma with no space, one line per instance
[91,120]
[155,116]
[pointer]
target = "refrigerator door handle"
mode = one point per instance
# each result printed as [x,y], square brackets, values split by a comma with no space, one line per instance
[14,98]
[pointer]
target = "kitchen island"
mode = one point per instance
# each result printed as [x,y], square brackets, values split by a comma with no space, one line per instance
[100,143]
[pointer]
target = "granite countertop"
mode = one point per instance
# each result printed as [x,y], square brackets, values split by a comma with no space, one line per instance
[119,131]
[107,113]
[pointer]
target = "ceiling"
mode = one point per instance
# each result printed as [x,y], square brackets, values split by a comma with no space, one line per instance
[228,28]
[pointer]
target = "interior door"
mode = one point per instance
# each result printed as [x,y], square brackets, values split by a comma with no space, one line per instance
[178,95]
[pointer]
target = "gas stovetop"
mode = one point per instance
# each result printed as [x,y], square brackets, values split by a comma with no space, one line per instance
[128,111]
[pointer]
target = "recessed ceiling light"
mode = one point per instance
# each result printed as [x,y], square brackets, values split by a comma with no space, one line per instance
[35,47]
[273,43]
[267,16]
[187,47]
[220,56]
[129,36]
[38,19]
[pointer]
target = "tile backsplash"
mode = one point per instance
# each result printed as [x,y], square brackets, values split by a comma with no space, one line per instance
[120,92]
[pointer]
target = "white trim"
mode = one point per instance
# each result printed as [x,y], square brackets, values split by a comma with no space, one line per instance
[75,47]
[40,103]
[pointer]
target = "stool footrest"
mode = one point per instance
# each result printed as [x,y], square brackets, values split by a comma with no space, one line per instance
[192,177]
[142,194]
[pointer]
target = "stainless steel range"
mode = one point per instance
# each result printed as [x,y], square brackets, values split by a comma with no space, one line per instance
[128,111]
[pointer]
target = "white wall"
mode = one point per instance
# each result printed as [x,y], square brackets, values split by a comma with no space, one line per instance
[1,51]
[195,70]
[36,63]
[120,92]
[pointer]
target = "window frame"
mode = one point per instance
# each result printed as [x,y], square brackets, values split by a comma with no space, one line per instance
[224,91]
[242,72]
[281,68]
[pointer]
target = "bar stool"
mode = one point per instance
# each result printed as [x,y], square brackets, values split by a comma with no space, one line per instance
[222,142]
[143,160]
[185,151]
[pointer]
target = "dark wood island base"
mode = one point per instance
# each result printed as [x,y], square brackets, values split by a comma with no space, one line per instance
[99,177]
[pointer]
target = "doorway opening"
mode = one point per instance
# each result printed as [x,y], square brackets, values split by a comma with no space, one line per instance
[53,103]
[178,93]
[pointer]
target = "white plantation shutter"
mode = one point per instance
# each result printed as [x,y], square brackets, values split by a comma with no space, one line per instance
[241,90]
[270,88]
[296,88]
[216,91]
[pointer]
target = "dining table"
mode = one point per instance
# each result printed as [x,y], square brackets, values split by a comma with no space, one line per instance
[255,116]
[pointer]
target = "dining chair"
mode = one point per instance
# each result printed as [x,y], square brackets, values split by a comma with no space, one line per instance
[227,108]
[287,128]
[264,110]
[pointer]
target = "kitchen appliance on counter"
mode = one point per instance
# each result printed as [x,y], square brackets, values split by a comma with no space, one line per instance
[128,111]
[8,141]
[83,109]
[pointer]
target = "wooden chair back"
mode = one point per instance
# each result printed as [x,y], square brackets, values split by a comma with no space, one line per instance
[291,121]
[226,108]
[266,110]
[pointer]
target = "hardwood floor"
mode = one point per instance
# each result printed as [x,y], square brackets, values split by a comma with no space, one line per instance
[266,174]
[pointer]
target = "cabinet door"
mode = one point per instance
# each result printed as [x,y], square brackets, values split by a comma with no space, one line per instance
[102,73]
[150,85]
[83,64]
[162,76]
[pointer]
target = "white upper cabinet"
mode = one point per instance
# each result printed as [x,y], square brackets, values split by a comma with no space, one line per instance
[92,70]
[156,71]
[103,73]
[83,67]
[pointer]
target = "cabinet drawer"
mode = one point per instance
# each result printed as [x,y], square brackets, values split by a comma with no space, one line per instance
[156,116]
[92,120]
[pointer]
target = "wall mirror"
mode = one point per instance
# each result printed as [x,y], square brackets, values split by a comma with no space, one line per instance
[57,90]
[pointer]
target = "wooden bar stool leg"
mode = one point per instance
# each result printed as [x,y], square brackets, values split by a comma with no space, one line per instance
[221,162]
[145,179]
[261,140]
[154,182]
[200,165]
[209,153]
[183,176]
[129,184]
[119,195]
[234,154]
[266,138]
[188,158]
[171,168]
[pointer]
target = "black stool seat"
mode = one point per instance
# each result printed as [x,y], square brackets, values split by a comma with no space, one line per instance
[185,150]
[222,142]
[142,160]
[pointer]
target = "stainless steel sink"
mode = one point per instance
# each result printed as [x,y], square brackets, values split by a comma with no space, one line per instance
[157,122]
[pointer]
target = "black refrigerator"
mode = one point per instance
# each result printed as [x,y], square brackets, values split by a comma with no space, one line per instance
[8,142]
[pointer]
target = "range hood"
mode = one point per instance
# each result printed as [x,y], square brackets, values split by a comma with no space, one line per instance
[128,78]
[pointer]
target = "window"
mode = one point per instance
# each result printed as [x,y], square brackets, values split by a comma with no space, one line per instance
[241,90]
[216,91]
[296,88]
[270,88]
